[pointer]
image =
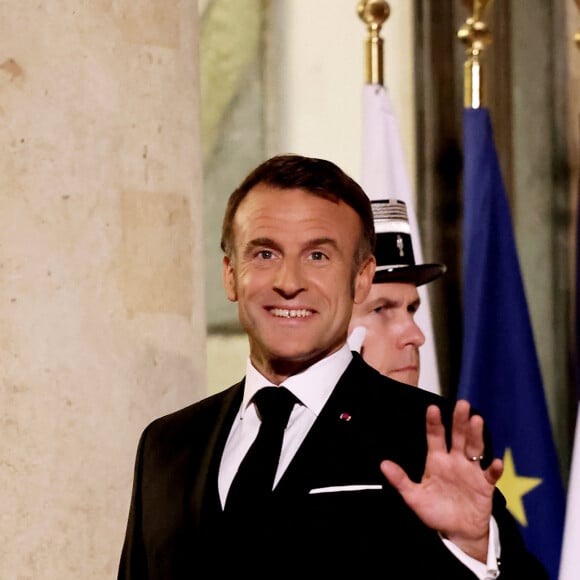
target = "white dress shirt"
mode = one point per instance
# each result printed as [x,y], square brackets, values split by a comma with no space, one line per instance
[313,388]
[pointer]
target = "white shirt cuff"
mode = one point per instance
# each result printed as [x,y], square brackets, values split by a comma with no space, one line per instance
[489,570]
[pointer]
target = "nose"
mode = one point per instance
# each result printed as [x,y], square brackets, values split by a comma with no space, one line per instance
[289,280]
[413,334]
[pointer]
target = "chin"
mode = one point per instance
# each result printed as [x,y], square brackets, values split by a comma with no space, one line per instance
[293,355]
[404,377]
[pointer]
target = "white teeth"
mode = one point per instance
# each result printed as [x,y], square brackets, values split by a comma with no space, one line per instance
[285,313]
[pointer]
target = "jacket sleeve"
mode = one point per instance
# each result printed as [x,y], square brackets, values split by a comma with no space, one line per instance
[133,563]
[515,560]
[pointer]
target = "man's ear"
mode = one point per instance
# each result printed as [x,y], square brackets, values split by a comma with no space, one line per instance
[364,279]
[229,279]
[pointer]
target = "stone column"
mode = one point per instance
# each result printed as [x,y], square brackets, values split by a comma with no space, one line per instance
[102,324]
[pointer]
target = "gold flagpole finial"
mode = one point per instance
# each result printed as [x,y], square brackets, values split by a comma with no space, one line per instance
[476,36]
[374,13]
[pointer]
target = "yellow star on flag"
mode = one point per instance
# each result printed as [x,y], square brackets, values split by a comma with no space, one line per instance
[514,487]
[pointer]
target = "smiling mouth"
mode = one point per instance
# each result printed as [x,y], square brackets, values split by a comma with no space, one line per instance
[286,313]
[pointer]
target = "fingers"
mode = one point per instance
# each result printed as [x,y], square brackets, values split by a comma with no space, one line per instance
[474,444]
[467,432]
[494,471]
[396,476]
[460,428]
[435,430]
[467,437]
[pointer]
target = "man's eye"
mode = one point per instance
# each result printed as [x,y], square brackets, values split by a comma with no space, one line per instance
[378,309]
[265,254]
[317,256]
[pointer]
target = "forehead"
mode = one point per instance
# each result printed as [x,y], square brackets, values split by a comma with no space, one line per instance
[272,212]
[401,292]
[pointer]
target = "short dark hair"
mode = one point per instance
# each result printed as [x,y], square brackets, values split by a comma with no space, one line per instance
[316,176]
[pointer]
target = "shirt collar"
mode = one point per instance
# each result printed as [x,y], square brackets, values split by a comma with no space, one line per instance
[312,386]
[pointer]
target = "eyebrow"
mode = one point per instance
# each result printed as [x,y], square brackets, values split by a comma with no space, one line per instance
[270,243]
[317,242]
[261,243]
[386,302]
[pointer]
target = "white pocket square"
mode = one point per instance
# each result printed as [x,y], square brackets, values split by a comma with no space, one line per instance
[338,488]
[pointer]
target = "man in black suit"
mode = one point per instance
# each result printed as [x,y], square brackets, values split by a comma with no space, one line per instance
[374,477]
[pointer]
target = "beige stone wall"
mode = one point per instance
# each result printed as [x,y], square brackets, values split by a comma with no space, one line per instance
[102,323]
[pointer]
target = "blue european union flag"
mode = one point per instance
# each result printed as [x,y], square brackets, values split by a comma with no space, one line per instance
[500,374]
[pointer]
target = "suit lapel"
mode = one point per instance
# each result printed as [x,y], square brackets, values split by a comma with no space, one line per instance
[330,453]
[205,487]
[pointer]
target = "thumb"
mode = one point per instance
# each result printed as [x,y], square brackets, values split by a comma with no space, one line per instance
[396,476]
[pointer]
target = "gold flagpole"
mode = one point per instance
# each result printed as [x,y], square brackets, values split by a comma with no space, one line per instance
[476,36]
[577,35]
[374,13]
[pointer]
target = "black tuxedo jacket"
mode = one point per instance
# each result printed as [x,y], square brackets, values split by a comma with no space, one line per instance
[355,525]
